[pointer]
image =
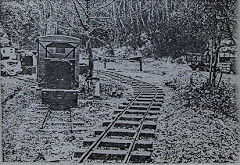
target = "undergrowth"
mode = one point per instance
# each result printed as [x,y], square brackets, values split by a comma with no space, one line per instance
[195,92]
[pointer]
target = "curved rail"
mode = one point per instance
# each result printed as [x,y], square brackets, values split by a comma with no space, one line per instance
[144,87]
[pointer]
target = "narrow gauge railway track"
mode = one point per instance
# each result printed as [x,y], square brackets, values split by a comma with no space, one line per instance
[13,115]
[34,82]
[16,91]
[128,137]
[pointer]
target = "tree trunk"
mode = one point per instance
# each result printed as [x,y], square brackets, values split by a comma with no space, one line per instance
[90,55]
[166,10]
[140,62]
[220,78]
[131,10]
[216,62]
[140,12]
[211,60]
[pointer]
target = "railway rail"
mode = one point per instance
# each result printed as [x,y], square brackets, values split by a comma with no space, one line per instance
[128,137]
[16,91]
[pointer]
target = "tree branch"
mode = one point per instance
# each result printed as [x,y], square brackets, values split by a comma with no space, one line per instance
[85,13]
[60,25]
[79,16]
[93,4]
[92,37]
[92,12]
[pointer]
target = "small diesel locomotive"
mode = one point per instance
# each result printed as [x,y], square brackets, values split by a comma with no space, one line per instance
[58,71]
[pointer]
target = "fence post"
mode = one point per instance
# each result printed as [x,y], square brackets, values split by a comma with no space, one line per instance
[140,61]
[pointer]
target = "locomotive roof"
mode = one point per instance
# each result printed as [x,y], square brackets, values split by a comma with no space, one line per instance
[59,38]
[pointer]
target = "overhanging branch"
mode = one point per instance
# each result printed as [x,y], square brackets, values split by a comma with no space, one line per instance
[92,37]
[92,12]
[79,16]
[85,13]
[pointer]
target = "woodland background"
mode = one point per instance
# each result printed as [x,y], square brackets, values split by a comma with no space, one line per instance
[170,27]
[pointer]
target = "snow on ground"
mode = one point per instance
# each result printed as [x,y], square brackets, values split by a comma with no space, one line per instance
[10,85]
[118,52]
[183,135]
[155,72]
[13,118]
[24,141]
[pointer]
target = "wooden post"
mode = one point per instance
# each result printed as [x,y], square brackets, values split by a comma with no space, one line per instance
[210,62]
[140,61]
[97,88]
[220,78]
[216,61]
[105,63]
[89,49]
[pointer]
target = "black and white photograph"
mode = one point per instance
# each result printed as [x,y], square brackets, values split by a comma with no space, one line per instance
[119,81]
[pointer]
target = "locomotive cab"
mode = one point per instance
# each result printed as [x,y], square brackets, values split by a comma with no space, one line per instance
[58,71]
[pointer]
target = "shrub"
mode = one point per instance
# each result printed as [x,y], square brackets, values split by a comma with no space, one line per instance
[199,95]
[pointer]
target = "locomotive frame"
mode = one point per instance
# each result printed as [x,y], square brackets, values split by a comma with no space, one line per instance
[58,71]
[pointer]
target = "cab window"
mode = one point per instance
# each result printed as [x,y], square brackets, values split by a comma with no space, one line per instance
[60,50]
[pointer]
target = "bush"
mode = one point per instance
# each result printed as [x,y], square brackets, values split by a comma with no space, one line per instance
[199,95]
